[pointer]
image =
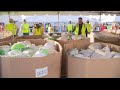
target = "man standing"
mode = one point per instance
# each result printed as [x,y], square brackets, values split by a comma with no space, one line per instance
[46,26]
[80,27]
[25,28]
[69,27]
[11,27]
[88,28]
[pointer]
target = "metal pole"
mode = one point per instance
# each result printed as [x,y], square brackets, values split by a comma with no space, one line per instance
[58,20]
[9,15]
[100,16]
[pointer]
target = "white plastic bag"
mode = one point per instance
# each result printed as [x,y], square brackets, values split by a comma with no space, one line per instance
[15,53]
[95,46]
[73,52]
[41,53]
[28,53]
[6,48]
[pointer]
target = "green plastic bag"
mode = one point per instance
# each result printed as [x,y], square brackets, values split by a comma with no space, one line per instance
[2,52]
[17,46]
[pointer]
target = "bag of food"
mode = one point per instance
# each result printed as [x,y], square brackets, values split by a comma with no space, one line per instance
[15,53]
[18,46]
[41,53]
[95,46]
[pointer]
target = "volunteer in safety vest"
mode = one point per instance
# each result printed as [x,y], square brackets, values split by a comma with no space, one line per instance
[80,28]
[46,27]
[25,28]
[88,28]
[50,29]
[69,27]
[37,30]
[11,27]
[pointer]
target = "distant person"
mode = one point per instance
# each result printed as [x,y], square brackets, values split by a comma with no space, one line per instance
[88,28]
[103,27]
[46,27]
[25,28]
[50,29]
[69,27]
[107,26]
[11,27]
[80,27]
[1,28]
[37,30]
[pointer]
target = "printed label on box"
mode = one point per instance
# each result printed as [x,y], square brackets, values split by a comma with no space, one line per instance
[41,72]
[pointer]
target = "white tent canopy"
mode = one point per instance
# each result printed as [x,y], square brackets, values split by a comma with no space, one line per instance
[64,16]
[60,12]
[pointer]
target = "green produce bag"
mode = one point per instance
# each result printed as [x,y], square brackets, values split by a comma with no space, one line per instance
[17,46]
[2,52]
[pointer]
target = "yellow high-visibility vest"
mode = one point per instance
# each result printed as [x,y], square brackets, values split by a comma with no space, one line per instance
[38,31]
[82,31]
[25,28]
[70,27]
[11,27]
[88,26]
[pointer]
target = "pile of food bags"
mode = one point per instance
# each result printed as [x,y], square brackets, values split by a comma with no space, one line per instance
[107,36]
[69,36]
[5,34]
[27,49]
[95,50]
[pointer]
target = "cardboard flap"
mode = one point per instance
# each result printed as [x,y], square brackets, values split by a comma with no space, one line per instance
[6,39]
[80,44]
[29,37]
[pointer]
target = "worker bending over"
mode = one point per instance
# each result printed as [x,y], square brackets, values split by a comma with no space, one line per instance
[11,27]
[80,28]
[70,27]
[37,30]
[88,28]
[25,28]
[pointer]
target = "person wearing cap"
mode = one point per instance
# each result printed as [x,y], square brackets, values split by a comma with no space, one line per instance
[11,27]
[80,27]
[88,28]
[69,27]
[25,28]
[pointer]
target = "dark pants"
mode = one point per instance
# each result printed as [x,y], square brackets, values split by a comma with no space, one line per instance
[25,34]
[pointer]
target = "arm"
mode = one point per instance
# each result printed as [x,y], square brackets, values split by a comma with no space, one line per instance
[5,27]
[74,27]
[33,31]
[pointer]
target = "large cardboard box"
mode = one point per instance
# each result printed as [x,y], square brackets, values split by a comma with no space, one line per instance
[92,68]
[10,38]
[63,44]
[37,67]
